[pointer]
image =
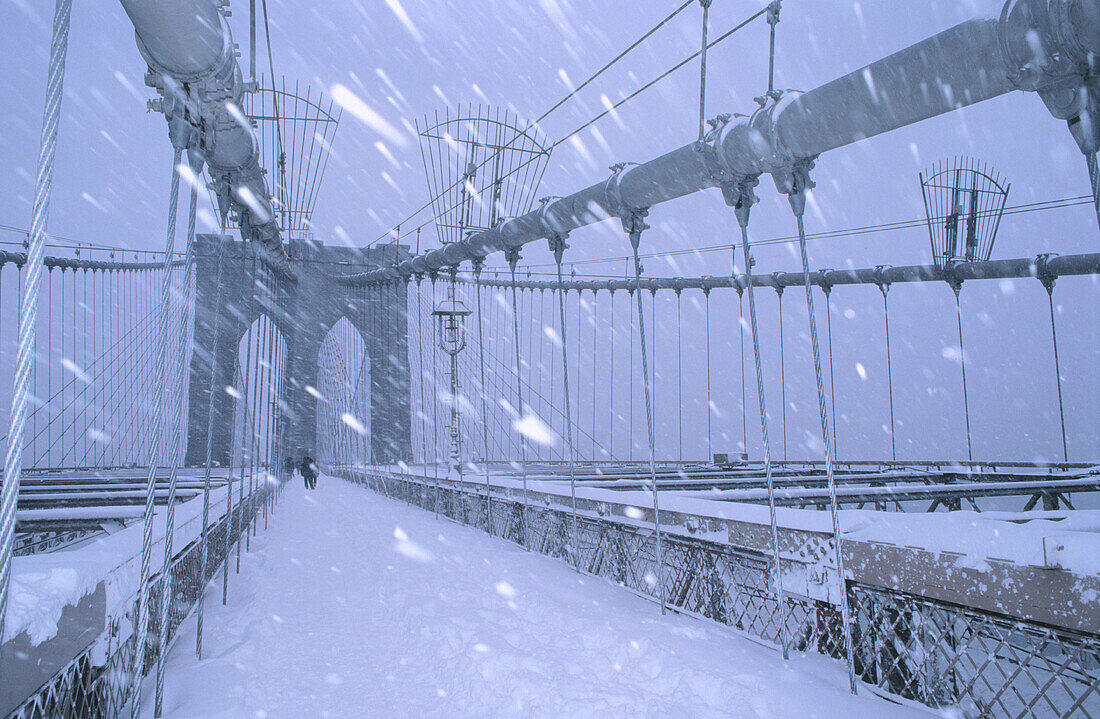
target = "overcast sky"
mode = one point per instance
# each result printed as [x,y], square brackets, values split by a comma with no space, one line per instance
[410,58]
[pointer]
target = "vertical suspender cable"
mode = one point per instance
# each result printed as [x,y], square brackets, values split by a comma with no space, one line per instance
[245,375]
[255,369]
[703,70]
[1048,284]
[782,370]
[611,380]
[679,384]
[513,258]
[423,416]
[579,343]
[742,213]
[28,315]
[233,513]
[798,204]
[772,20]
[829,340]
[634,225]
[630,383]
[956,286]
[174,452]
[478,264]
[653,349]
[217,308]
[595,334]
[885,289]
[1094,178]
[741,354]
[435,405]
[710,403]
[252,42]
[557,245]
[159,391]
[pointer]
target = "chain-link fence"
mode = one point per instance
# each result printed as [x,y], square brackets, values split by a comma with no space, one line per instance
[941,655]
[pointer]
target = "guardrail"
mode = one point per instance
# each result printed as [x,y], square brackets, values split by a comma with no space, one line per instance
[938,653]
[97,683]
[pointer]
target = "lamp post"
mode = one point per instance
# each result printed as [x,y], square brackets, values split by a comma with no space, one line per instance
[451,316]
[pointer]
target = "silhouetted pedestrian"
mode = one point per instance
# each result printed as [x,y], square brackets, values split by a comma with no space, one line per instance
[309,472]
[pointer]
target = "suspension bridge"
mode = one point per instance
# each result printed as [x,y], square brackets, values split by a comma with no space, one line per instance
[699,444]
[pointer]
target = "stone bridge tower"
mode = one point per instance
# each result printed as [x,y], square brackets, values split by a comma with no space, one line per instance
[304,309]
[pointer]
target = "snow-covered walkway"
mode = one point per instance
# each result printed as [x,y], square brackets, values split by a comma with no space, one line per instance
[354,605]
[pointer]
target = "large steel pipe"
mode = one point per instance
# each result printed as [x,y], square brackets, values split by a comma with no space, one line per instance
[1043,267]
[971,62]
[196,44]
[193,63]
[960,66]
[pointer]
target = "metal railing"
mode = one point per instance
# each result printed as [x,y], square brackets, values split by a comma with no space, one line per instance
[98,682]
[939,654]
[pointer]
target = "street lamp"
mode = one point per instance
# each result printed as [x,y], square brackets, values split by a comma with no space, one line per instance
[451,316]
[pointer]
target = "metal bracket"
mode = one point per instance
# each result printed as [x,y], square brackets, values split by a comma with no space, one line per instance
[512,256]
[1042,271]
[616,206]
[883,285]
[739,195]
[778,287]
[794,181]
[557,244]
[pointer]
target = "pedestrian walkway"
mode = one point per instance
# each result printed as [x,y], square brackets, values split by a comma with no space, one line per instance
[354,605]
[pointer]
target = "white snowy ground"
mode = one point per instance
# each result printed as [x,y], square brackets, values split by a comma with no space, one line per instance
[354,605]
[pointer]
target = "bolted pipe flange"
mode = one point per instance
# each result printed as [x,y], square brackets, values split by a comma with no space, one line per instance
[879,277]
[512,256]
[1043,272]
[1052,47]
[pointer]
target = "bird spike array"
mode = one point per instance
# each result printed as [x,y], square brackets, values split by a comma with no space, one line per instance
[482,164]
[295,129]
[963,201]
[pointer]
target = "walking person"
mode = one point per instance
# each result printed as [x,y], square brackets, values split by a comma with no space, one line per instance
[309,472]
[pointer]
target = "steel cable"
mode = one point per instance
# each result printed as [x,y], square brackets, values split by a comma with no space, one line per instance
[568,410]
[635,226]
[798,205]
[512,259]
[217,311]
[159,392]
[781,598]
[28,316]
[484,406]
[174,446]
